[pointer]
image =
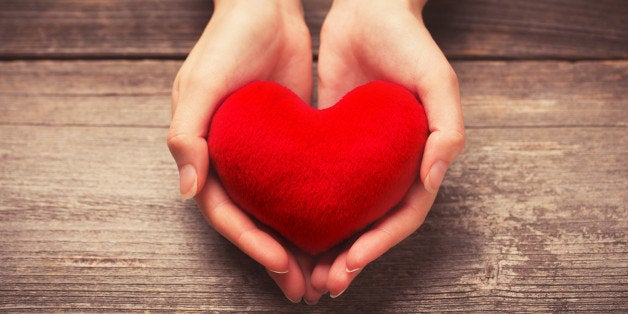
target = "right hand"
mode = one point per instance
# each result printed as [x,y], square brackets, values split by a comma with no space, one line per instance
[243,42]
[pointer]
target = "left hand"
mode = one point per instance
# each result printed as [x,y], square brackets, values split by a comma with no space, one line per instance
[387,40]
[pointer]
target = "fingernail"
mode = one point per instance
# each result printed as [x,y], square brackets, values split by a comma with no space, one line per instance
[310,302]
[333,296]
[295,300]
[188,181]
[280,272]
[435,177]
[352,270]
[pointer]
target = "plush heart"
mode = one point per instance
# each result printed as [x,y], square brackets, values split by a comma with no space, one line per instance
[318,176]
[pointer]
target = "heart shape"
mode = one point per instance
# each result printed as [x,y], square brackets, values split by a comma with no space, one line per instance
[318,176]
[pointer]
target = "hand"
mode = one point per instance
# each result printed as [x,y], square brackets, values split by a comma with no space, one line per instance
[387,40]
[244,41]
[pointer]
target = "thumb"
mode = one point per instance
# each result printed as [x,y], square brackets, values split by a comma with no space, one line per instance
[191,154]
[441,99]
[187,139]
[440,150]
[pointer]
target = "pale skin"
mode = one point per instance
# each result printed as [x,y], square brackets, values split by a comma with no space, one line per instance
[361,41]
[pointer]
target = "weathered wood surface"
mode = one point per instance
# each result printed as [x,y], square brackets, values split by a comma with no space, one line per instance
[536,29]
[532,216]
[529,218]
[529,29]
[135,93]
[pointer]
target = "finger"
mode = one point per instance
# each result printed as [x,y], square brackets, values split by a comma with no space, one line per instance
[306,262]
[291,283]
[340,279]
[238,228]
[440,150]
[320,273]
[391,229]
[440,95]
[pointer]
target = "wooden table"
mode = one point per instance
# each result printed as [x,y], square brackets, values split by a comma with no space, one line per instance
[532,216]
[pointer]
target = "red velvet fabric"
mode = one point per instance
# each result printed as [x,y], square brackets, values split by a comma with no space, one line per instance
[318,176]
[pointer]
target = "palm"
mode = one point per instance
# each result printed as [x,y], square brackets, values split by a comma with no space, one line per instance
[355,50]
[245,48]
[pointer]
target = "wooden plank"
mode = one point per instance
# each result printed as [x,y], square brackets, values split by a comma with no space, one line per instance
[571,29]
[131,93]
[536,29]
[528,218]
[543,93]
[95,28]
[136,93]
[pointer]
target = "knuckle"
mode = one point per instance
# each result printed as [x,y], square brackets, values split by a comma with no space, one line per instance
[453,77]
[458,140]
[176,141]
[214,208]
[244,236]
[385,233]
[219,204]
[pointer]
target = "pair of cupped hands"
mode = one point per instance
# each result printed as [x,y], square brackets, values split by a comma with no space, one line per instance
[361,41]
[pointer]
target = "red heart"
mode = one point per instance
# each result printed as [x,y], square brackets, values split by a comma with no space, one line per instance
[318,176]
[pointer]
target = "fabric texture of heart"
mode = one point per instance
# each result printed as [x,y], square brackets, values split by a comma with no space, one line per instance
[318,176]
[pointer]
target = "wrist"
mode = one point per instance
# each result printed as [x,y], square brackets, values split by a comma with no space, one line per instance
[367,10]
[413,4]
[284,7]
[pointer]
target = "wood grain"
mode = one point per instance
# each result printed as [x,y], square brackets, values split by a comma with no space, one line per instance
[523,29]
[136,93]
[543,93]
[528,29]
[94,28]
[528,218]
[122,93]
[534,209]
